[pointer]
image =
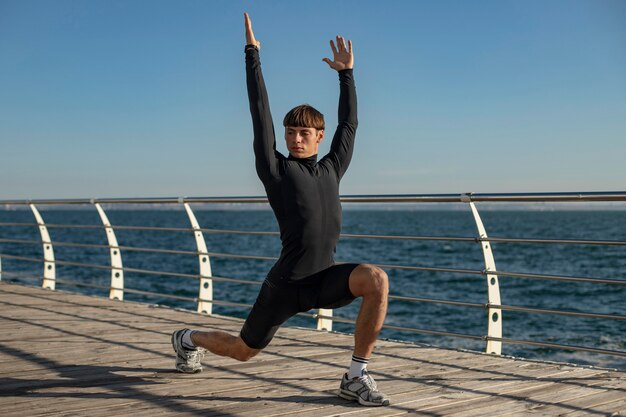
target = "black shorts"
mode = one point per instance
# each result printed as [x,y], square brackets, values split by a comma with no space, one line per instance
[278,301]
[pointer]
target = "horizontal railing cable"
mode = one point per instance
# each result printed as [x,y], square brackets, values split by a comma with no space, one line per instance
[241,232]
[507,307]
[20,258]
[559,277]
[21,275]
[437,301]
[140,228]
[432,269]
[56,243]
[557,346]
[109,267]
[553,241]
[433,332]
[5,224]
[401,237]
[154,228]
[558,312]
[138,249]
[52,225]
[406,329]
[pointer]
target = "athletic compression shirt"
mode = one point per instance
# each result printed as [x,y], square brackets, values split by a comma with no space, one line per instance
[303,193]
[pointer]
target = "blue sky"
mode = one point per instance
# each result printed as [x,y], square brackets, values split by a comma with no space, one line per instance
[147,98]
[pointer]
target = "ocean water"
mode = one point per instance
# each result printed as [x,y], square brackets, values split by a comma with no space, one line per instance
[554,259]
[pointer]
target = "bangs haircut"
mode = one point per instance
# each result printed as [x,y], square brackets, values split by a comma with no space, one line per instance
[304,116]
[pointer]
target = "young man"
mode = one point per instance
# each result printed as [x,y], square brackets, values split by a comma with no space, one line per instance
[304,195]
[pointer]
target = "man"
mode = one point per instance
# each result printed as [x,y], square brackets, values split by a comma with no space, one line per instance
[304,195]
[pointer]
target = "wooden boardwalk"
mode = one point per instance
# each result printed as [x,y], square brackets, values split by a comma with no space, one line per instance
[72,355]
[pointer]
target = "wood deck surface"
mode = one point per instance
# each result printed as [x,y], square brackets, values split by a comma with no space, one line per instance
[65,354]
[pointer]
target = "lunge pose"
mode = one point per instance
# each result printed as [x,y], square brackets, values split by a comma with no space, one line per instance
[304,195]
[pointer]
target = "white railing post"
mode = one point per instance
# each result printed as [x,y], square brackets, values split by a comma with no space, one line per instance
[205,294]
[117,270]
[494,315]
[49,269]
[325,323]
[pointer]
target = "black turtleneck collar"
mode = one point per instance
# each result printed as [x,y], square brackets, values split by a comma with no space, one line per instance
[309,161]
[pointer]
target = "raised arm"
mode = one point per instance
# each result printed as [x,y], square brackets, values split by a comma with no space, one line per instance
[264,138]
[343,141]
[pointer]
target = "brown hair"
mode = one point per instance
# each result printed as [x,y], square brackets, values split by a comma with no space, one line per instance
[304,116]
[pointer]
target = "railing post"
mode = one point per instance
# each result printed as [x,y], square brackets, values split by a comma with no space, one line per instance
[205,294]
[49,269]
[117,270]
[494,315]
[324,323]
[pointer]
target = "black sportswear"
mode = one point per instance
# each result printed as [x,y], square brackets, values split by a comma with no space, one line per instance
[279,301]
[304,195]
[303,192]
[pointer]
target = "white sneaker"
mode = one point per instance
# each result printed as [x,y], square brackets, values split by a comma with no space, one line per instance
[187,360]
[362,389]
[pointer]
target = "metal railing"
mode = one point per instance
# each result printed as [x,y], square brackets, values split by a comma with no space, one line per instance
[493,307]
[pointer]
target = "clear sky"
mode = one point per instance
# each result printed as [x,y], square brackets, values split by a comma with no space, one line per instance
[106,98]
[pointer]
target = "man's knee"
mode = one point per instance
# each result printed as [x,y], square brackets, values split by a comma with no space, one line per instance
[246,355]
[369,279]
[244,352]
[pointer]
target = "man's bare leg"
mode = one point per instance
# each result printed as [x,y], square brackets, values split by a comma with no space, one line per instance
[189,358]
[371,283]
[224,344]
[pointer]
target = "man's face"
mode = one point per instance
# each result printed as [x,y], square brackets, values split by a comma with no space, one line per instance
[302,142]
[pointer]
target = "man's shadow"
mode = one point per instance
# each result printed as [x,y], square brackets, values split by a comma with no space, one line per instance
[119,383]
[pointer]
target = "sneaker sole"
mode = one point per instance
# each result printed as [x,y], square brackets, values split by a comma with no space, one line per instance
[191,371]
[350,396]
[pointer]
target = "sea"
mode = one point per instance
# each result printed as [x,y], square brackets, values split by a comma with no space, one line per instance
[579,260]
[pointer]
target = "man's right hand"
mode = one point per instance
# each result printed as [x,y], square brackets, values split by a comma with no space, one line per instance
[250,39]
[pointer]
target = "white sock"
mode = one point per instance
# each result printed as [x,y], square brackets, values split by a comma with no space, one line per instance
[357,366]
[187,342]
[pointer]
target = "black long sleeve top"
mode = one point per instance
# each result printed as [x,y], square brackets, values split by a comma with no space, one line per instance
[303,193]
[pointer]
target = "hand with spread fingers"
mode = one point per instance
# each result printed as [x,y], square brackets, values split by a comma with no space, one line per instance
[250,39]
[342,55]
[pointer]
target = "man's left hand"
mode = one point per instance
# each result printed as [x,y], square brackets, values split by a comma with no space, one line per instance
[342,55]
